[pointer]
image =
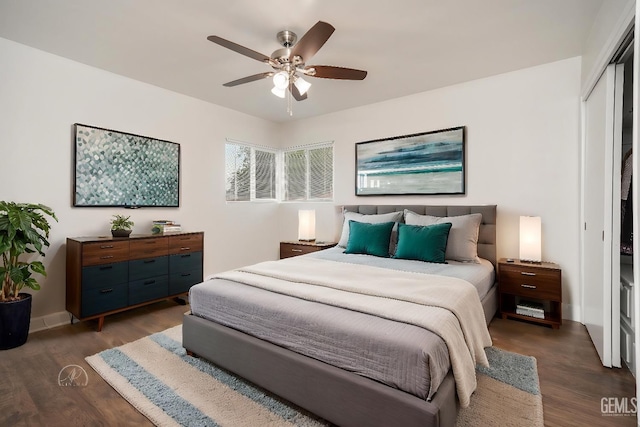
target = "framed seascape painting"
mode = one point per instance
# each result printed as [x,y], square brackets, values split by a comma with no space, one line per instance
[125,170]
[422,163]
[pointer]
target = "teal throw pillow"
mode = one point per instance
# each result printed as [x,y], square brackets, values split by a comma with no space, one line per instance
[370,239]
[423,243]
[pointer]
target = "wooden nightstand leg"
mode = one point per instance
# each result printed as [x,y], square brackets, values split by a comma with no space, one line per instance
[100,323]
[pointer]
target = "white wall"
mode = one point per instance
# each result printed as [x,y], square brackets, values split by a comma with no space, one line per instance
[522,151]
[522,131]
[42,95]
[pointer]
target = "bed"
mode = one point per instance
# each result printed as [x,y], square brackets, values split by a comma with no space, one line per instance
[343,395]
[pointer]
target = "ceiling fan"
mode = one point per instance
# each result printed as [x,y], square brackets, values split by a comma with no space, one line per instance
[289,62]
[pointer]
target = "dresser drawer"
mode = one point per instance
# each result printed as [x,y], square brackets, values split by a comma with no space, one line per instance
[149,248]
[185,262]
[100,276]
[105,252]
[103,299]
[181,282]
[186,243]
[150,267]
[531,282]
[148,289]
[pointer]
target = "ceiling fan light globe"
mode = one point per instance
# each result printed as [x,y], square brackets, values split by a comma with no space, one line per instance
[302,85]
[280,93]
[281,80]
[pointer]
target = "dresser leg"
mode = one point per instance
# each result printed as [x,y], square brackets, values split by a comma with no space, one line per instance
[100,323]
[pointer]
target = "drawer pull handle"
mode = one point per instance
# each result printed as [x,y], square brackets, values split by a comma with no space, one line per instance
[107,267]
[150,242]
[150,261]
[185,256]
[106,291]
[185,238]
[106,247]
[526,273]
[185,248]
[149,282]
[186,274]
[296,250]
[529,286]
[106,257]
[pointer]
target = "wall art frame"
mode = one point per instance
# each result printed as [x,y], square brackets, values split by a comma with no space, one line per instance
[427,163]
[120,169]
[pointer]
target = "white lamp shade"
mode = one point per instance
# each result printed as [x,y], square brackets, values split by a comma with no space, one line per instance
[280,93]
[530,238]
[307,225]
[302,85]
[281,80]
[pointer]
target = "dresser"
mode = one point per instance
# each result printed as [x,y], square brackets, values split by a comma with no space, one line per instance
[107,275]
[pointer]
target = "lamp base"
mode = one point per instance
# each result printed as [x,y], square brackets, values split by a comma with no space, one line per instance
[529,261]
[306,240]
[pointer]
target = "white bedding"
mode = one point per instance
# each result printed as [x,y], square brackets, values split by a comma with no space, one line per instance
[481,275]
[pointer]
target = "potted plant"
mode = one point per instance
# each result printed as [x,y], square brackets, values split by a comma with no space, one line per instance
[121,226]
[24,229]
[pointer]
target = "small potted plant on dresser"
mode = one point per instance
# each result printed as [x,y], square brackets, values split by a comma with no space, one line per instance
[121,226]
[24,229]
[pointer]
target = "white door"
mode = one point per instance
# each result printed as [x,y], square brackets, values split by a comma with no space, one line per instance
[600,291]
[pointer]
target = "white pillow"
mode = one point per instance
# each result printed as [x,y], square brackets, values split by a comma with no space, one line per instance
[370,219]
[463,237]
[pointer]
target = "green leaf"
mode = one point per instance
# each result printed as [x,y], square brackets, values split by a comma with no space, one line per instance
[32,283]
[38,267]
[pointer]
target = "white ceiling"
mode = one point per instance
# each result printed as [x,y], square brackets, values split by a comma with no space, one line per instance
[407,46]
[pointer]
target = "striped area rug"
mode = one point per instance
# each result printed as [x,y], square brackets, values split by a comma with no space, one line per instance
[156,376]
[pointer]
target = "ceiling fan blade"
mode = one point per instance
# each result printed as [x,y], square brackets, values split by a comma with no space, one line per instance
[240,49]
[312,41]
[249,79]
[330,72]
[296,93]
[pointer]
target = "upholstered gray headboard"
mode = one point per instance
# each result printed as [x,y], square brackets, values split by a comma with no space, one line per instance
[486,239]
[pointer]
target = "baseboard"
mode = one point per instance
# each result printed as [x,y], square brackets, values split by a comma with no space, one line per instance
[571,312]
[49,321]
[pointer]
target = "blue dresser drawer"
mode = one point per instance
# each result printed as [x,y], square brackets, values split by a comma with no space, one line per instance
[185,262]
[148,289]
[181,282]
[100,276]
[149,267]
[107,298]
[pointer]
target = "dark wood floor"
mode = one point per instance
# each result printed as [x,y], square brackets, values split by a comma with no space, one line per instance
[571,378]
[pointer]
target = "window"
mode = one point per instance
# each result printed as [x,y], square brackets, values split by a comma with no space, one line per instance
[250,173]
[308,173]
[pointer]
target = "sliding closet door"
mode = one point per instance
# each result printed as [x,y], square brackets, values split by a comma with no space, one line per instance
[599,288]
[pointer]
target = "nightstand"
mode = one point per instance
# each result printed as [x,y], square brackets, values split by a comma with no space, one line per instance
[538,283]
[295,248]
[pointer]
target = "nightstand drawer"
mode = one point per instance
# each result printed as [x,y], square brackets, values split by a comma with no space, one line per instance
[288,250]
[185,262]
[531,282]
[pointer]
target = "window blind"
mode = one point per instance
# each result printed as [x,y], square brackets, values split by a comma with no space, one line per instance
[250,173]
[308,173]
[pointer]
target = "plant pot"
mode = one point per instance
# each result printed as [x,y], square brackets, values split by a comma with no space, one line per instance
[120,233]
[15,317]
